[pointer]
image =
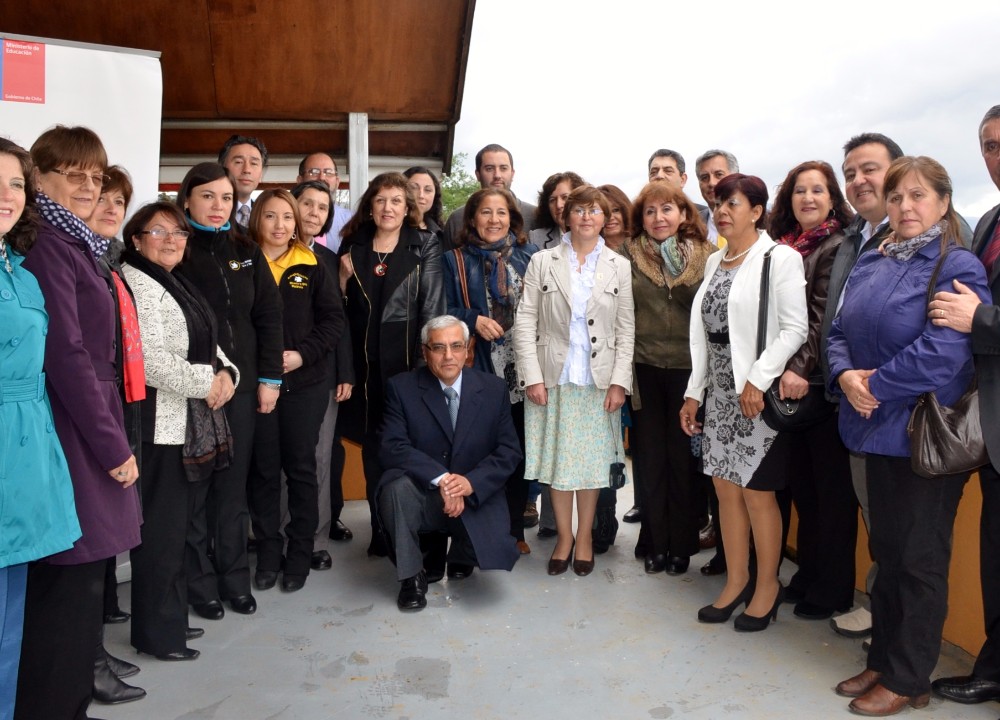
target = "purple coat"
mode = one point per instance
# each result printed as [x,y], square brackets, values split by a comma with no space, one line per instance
[86,407]
[883,326]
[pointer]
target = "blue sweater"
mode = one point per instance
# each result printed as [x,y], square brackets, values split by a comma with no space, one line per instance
[883,326]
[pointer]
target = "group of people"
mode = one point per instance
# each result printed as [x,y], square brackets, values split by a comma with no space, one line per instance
[170,387]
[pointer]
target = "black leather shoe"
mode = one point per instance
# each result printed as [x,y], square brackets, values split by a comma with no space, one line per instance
[292,583]
[413,593]
[811,611]
[634,515]
[457,571]
[340,532]
[377,548]
[544,532]
[243,604]
[212,610]
[321,560]
[966,689]
[655,564]
[118,616]
[109,689]
[715,566]
[193,633]
[265,579]
[121,668]
[677,565]
[185,654]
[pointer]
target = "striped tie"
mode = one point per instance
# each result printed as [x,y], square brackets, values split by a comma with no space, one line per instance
[452,398]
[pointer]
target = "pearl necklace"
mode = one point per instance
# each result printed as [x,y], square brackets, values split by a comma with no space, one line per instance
[734,258]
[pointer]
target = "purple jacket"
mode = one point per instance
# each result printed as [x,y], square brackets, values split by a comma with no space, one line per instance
[883,325]
[86,407]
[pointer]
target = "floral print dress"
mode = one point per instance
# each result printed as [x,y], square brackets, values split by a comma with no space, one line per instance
[733,446]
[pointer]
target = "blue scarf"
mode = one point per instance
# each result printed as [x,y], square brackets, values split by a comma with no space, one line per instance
[58,216]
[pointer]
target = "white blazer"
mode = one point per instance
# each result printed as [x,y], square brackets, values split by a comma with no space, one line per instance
[541,328]
[787,318]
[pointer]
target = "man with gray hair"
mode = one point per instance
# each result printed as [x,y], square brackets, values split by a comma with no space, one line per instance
[448,446]
[710,167]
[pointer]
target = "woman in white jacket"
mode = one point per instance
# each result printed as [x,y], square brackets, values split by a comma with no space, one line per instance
[739,450]
[184,431]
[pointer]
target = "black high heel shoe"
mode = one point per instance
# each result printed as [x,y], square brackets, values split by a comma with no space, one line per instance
[752,623]
[558,567]
[713,614]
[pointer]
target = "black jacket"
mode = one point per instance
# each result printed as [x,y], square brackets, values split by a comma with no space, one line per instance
[235,279]
[313,322]
[413,293]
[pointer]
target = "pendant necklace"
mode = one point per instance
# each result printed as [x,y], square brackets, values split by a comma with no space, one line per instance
[3,256]
[381,267]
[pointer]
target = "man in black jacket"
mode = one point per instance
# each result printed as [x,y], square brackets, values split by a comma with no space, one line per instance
[963,311]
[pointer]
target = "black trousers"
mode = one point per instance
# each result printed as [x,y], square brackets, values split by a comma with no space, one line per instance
[111,584]
[62,626]
[286,440]
[408,511]
[988,662]
[225,496]
[159,585]
[516,488]
[819,481]
[663,455]
[911,528]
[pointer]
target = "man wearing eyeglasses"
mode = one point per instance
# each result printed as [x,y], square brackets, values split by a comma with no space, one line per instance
[322,167]
[448,446]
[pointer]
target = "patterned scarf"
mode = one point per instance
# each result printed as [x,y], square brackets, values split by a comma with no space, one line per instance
[807,241]
[58,216]
[670,263]
[905,249]
[495,257]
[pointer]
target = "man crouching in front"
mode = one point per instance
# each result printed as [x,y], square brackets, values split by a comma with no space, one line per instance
[448,447]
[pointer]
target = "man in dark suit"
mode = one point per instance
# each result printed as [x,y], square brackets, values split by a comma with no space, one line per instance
[963,311]
[448,446]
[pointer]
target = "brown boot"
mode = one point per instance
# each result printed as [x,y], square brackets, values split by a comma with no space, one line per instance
[880,701]
[859,684]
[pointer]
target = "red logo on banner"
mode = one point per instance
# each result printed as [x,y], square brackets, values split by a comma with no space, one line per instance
[23,68]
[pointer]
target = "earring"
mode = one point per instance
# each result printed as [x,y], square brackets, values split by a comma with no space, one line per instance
[294,235]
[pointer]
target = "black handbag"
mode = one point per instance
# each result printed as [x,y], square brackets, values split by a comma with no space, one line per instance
[946,440]
[811,409]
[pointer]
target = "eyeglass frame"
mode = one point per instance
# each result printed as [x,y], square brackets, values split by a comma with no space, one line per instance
[439,348]
[99,180]
[161,234]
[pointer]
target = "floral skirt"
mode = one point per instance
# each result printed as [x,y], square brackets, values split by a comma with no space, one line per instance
[571,442]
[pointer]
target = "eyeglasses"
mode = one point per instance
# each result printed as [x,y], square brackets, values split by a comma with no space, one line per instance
[79,178]
[325,172]
[161,234]
[439,348]
[593,212]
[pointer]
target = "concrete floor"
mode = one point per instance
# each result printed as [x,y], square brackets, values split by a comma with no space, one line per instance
[616,644]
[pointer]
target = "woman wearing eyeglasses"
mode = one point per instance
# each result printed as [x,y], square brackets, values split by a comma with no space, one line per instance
[573,337]
[63,609]
[188,380]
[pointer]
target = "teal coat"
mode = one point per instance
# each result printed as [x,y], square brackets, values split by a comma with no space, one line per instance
[37,511]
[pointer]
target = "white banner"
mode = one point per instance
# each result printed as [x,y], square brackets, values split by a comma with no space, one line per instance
[116,92]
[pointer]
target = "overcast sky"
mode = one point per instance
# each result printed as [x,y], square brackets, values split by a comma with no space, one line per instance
[596,87]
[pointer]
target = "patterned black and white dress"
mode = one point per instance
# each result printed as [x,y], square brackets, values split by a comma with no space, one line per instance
[733,446]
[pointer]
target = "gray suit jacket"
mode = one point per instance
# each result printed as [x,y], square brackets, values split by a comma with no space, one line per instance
[986,343]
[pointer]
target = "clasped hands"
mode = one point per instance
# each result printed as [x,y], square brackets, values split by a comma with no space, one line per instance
[454,489]
[854,385]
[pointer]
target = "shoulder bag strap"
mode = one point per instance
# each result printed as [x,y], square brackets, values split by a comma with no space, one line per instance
[934,275]
[462,280]
[765,276]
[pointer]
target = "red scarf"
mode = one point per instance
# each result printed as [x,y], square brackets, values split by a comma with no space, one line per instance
[806,242]
[135,375]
